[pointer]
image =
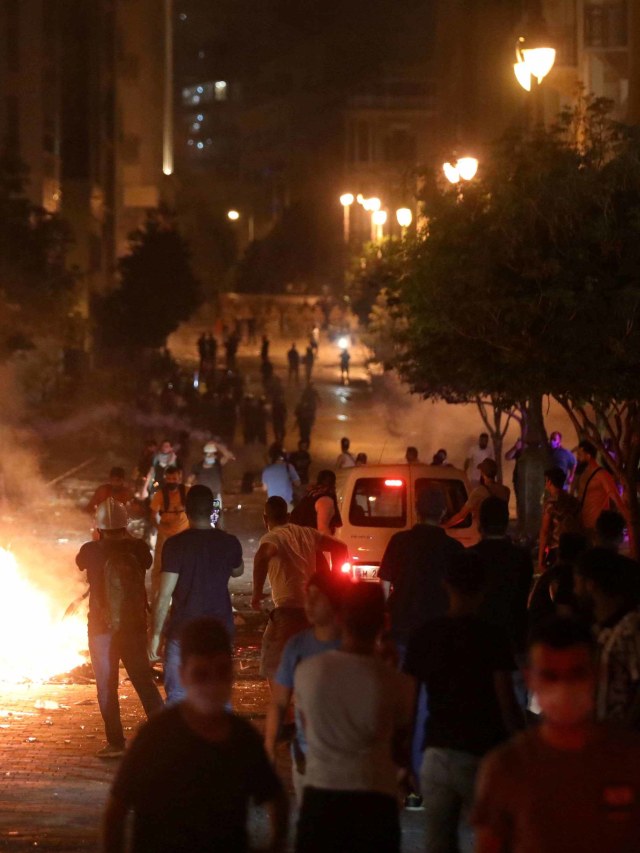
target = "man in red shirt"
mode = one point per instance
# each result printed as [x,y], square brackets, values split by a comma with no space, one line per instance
[116,488]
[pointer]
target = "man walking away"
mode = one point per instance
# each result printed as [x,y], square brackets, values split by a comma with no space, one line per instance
[301,461]
[568,784]
[413,569]
[466,666]
[197,565]
[509,574]
[191,772]
[322,608]
[116,567]
[309,359]
[319,507]
[280,478]
[293,358]
[345,359]
[287,556]
[357,717]
[488,488]
[596,490]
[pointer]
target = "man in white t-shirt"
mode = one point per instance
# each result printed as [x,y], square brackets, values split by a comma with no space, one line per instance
[287,557]
[476,455]
[357,714]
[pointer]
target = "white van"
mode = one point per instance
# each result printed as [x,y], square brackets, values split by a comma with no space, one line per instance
[377,501]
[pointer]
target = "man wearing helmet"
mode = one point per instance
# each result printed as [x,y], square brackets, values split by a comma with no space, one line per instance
[208,472]
[116,565]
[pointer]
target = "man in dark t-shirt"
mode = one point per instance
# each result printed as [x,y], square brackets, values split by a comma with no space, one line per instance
[466,666]
[194,580]
[509,575]
[191,772]
[116,566]
[414,563]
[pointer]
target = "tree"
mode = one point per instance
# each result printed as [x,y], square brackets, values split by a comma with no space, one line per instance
[157,289]
[529,284]
[36,288]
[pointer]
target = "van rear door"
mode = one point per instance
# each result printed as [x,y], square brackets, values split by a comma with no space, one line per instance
[452,493]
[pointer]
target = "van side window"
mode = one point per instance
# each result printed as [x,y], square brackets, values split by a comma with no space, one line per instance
[378,502]
[452,493]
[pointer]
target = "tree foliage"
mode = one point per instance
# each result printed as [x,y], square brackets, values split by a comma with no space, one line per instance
[529,282]
[157,291]
[36,288]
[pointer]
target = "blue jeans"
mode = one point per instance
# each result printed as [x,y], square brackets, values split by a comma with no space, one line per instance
[447,784]
[420,722]
[172,684]
[107,650]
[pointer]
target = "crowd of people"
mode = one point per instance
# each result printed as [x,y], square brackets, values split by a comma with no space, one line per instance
[497,695]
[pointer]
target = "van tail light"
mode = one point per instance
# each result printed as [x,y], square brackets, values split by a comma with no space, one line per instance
[394,484]
[345,568]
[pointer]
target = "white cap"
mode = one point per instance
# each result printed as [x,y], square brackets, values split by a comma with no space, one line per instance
[111,515]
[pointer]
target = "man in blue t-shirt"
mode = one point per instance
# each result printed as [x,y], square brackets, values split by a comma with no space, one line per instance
[321,607]
[196,568]
[280,477]
[562,458]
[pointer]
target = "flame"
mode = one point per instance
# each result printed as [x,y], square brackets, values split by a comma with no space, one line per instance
[35,642]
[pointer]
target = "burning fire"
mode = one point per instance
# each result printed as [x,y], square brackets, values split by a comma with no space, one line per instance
[35,642]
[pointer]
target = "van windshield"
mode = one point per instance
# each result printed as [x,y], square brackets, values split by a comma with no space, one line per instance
[379,502]
[451,492]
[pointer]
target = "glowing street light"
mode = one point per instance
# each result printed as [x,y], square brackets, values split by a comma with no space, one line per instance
[378,220]
[404,217]
[464,169]
[235,216]
[346,200]
[535,55]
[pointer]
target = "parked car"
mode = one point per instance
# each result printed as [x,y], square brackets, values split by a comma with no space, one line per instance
[377,501]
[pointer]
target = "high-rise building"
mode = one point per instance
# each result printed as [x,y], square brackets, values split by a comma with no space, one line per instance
[86,104]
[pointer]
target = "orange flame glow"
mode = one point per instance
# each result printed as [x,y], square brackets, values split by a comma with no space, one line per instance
[35,642]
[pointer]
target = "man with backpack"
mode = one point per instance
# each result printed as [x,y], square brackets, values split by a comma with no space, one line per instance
[319,507]
[116,565]
[168,509]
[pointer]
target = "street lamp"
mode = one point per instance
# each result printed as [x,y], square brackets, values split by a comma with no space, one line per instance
[535,55]
[464,169]
[346,200]
[378,220]
[234,216]
[404,217]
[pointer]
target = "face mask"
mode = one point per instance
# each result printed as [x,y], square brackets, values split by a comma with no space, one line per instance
[165,458]
[566,703]
[209,460]
[172,486]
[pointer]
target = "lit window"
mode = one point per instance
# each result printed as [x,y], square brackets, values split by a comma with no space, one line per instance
[191,142]
[200,90]
[200,146]
[201,54]
[183,16]
[200,117]
[195,99]
[196,125]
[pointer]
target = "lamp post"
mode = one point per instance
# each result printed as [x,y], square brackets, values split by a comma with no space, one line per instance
[404,217]
[235,215]
[346,200]
[535,56]
[378,220]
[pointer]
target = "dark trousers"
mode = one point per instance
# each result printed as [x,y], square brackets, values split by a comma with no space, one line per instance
[107,650]
[347,822]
